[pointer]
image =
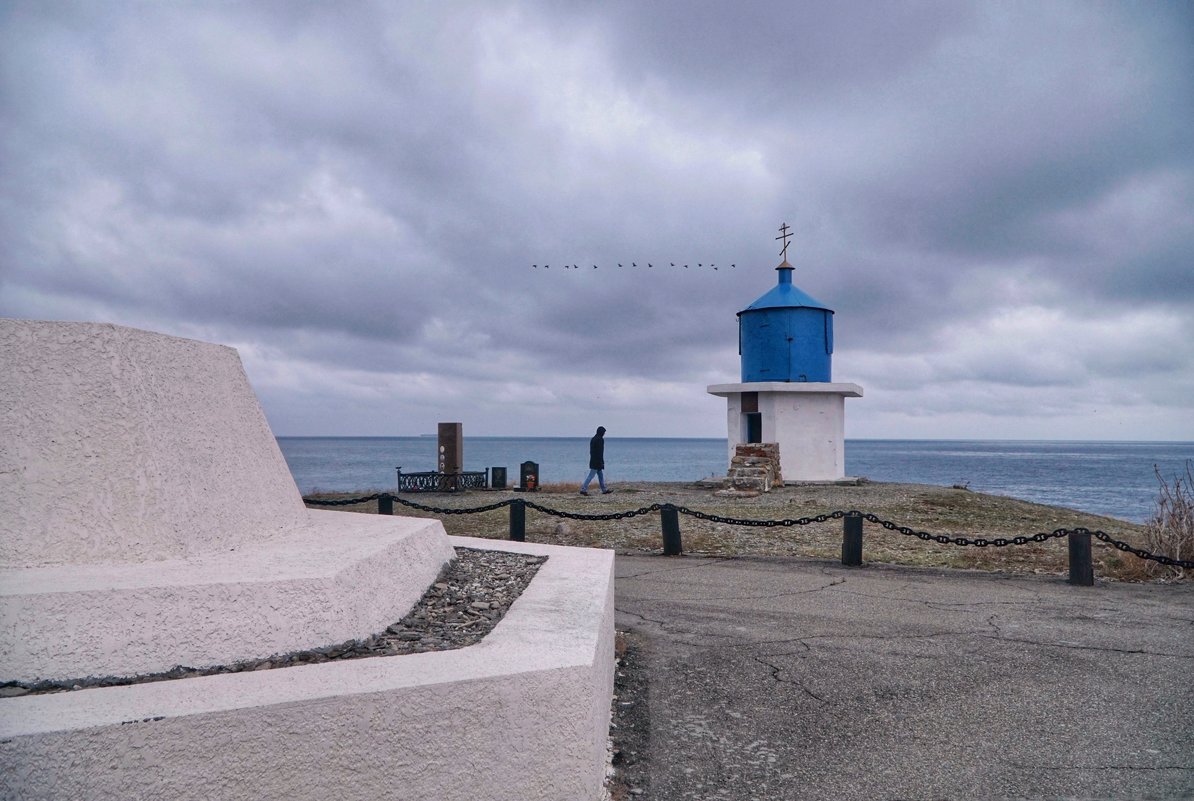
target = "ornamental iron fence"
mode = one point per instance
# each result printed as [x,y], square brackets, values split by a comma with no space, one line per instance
[433,481]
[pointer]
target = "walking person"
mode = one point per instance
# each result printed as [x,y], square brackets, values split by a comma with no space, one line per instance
[596,462]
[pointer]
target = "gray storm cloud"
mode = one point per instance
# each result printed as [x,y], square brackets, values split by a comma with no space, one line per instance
[997,200]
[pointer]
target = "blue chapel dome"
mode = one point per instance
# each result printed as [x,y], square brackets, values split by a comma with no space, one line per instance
[786,335]
[786,295]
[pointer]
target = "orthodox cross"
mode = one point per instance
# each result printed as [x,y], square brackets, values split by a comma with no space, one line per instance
[783,234]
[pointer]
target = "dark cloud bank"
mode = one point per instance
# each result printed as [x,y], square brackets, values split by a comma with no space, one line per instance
[996,199]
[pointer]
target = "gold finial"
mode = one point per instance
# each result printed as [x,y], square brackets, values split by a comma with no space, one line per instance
[783,234]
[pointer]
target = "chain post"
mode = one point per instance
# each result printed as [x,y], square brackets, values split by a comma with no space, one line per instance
[669,518]
[385,504]
[852,539]
[518,520]
[1081,565]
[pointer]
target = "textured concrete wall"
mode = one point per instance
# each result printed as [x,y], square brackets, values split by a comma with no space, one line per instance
[811,431]
[808,420]
[148,519]
[125,445]
[343,576]
[522,716]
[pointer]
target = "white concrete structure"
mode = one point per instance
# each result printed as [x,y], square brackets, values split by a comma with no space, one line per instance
[342,577]
[523,715]
[119,445]
[148,520]
[808,420]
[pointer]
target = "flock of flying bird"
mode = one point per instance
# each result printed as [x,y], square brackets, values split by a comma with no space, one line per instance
[650,265]
[784,234]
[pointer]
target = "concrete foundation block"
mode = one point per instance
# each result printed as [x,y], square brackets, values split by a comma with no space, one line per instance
[339,577]
[750,484]
[522,715]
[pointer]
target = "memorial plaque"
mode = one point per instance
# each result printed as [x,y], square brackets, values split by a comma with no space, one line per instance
[529,476]
[451,447]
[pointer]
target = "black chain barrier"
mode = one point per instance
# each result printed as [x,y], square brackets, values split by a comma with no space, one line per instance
[1140,552]
[944,539]
[741,521]
[655,507]
[341,502]
[434,510]
[978,542]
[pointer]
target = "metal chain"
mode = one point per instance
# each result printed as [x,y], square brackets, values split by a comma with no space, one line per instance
[411,504]
[1140,552]
[944,539]
[343,502]
[439,511]
[574,516]
[739,521]
[979,542]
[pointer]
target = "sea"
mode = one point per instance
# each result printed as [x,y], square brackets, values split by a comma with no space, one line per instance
[1117,479]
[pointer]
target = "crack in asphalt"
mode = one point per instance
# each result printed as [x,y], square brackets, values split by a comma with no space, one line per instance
[1075,647]
[943,605]
[708,563]
[642,617]
[804,640]
[742,597]
[991,622]
[1001,637]
[699,646]
[776,670]
[1025,766]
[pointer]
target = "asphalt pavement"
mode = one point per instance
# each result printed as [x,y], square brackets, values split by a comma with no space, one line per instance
[790,679]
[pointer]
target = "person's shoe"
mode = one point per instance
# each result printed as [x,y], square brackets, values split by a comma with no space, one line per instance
[606,492]
[582,492]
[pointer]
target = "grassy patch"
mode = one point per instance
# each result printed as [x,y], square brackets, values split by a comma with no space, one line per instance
[937,510]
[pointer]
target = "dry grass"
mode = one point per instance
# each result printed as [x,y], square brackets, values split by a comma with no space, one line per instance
[1170,531]
[560,487]
[938,510]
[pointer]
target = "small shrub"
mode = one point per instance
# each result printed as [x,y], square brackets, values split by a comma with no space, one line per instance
[1170,531]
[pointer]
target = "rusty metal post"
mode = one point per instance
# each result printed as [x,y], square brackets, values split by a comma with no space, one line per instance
[852,539]
[669,519]
[518,520]
[1081,564]
[385,504]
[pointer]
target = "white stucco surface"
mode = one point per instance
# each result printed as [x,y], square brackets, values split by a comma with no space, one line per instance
[338,577]
[522,715]
[808,420]
[124,445]
[148,519]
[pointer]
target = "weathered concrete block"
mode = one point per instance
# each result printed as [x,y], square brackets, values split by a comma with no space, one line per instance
[751,483]
[521,716]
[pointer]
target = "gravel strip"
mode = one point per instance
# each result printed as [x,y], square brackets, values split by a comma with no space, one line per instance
[466,601]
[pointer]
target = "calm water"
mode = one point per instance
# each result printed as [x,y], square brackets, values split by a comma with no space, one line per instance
[1109,478]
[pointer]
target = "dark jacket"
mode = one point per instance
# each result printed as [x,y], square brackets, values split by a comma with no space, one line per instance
[597,451]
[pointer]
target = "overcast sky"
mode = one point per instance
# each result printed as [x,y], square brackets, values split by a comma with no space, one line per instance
[997,200]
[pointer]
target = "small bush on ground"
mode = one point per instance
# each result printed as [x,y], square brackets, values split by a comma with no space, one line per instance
[1170,531]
